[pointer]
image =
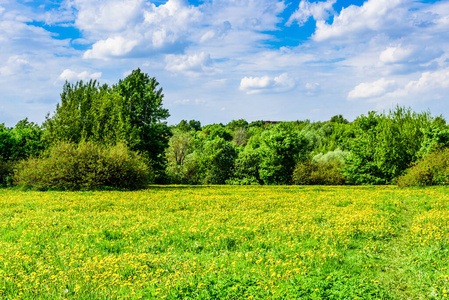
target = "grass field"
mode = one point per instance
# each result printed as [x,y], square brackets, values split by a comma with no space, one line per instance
[226,242]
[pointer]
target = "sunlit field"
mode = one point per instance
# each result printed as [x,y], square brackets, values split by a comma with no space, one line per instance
[226,242]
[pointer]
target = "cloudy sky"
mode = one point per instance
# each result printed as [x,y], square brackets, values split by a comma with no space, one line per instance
[219,60]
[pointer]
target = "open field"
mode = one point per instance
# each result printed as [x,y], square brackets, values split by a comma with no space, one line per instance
[226,242]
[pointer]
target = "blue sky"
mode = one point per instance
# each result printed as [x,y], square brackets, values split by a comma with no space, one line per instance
[219,60]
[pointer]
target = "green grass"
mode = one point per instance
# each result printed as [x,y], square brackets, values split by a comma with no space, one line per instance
[226,242]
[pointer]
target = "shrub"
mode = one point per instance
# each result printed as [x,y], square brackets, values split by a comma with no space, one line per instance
[67,166]
[433,169]
[6,168]
[322,173]
[246,168]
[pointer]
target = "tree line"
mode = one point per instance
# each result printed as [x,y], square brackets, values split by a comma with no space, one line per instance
[116,136]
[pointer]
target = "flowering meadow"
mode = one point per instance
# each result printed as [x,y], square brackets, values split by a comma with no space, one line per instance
[226,242]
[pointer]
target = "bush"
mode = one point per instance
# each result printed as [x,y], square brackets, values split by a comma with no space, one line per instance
[433,169]
[322,173]
[6,168]
[246,168]
[67,166]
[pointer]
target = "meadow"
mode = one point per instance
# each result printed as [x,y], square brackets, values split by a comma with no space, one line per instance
[226,242]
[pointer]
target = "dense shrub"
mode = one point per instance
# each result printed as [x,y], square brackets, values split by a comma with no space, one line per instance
[68,166]
[385,145]
[323,173]
[281,148]
[6,168]
[433,169]
[246,168]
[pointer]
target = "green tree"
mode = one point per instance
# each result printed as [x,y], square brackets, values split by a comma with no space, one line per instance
[281,148]
[142,112]
[7,143]
[185,125]
[385,145]
[246,167]
[216,161]
[130,111]
[179,160]
[73,120]
[338,119]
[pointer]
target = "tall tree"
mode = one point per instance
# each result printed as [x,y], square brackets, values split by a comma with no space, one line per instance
[142,112]
[130,111]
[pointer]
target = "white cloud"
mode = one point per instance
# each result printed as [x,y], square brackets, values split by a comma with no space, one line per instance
[259,15]
[95,17]
[70,75]
[312,88]
[191,65]
[428,82]
[411,54]
[120,27]
[318,10]
[117,46]
[395,55]
[372,89]
[15,65]
[373,15]
[254,85]
[255,82]
[429,85]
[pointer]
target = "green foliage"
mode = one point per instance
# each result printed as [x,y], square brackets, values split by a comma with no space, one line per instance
[22,141]
[435,136]
[180,162]
[338,119]
[321,173]
[236,124]
[73,119]
[318,134]
[216,161]
[337,154]
[143,112]
[6,169]
[281,148]
[211,132]
[130,112]
[246,168]
[433,169]
[7,143]
[68,166]
[188,126]
[385,145]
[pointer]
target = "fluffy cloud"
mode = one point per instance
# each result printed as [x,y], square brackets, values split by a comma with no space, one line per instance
[312,88]
[117,46]
[395,55]
[429,82]
[259,15]
[97,17]
[429,85]
[409,54]
[191,65]
[254,85]
[16,64]
[70,75]
[318,10]
[121,27]
[372,89]
[355,21]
